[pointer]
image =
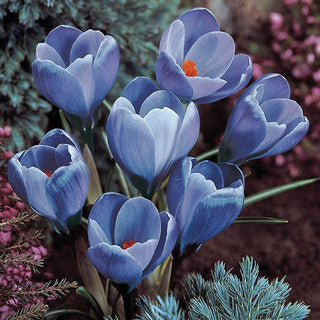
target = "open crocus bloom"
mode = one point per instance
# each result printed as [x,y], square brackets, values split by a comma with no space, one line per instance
[75,70]
[52,178]
[128,238]
[148,131]
[197,61]
[205,198]
[263,122]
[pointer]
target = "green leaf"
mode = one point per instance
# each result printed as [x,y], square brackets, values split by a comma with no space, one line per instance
[263,220]
[277,190]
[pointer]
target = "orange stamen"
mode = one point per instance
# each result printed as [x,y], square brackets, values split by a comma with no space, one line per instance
[48,173]
[129,244]
[189,68]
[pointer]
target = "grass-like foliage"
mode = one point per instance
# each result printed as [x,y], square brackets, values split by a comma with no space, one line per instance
[227,297]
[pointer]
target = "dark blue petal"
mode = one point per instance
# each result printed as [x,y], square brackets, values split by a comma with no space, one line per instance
[167,241]
[104,212]
[15,176]
[231,173]
[61,39]
[171,77]
[115,264]
[137,90]
[210,171]
[58,136]
[214,214]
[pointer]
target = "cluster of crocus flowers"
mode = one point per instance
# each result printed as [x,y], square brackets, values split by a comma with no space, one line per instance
[150,133]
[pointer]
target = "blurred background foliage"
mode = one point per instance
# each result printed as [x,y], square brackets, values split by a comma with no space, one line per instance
[136,24]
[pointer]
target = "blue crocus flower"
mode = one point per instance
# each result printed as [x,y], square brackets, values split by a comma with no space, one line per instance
[128,238]
[205,198]
[197,61]
[52,178]
[148,131]
[75,70]
[263,122]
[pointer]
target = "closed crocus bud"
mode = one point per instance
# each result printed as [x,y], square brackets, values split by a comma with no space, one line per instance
[197,61]
[75,70]
[52,178]
[205,198]
[263,122]
[128,238]
[148,131]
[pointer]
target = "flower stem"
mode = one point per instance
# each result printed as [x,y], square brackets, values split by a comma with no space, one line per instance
[208,154]
[127,304]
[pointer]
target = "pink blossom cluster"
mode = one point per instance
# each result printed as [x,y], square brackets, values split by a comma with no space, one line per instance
[295,53]
[17,242]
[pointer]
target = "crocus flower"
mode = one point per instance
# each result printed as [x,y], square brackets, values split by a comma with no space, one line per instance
[75,70]
[52,178]
[263,122]
[128,238]
[148,131]
[197,61]
[205,198]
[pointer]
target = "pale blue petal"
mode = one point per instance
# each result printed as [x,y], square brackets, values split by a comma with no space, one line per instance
[210,171]
[58,136]
[212,53]
[115,264]
[45,52]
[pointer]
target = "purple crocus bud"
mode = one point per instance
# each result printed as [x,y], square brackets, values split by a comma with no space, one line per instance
[197,61]
[75,70]
[52,178]
[263,122]
[128,238]
[205,198]
[148,131]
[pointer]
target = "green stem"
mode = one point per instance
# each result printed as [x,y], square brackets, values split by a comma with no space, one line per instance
[127,303]
[208,154]
[87,137]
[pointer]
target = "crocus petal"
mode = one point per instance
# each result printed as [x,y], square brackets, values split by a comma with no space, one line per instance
[105,69]
[61,39]
[67,190]
[160,99]
[138,220]
[45,52]
[165,124]
[237,77]
[214,214]
[166,242]
[104,213]
[290,140]
[143,252]
[212,54]
[137,90]
[124,103]
[194,29]
[128,133]
[203,86]
[171,77]
[15,176]
[60,87]
[58,136]
[177,182]
[231,173]
[189,131]
[116,264]
[197,189]
[210,171]
[86,44]
[172,41]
